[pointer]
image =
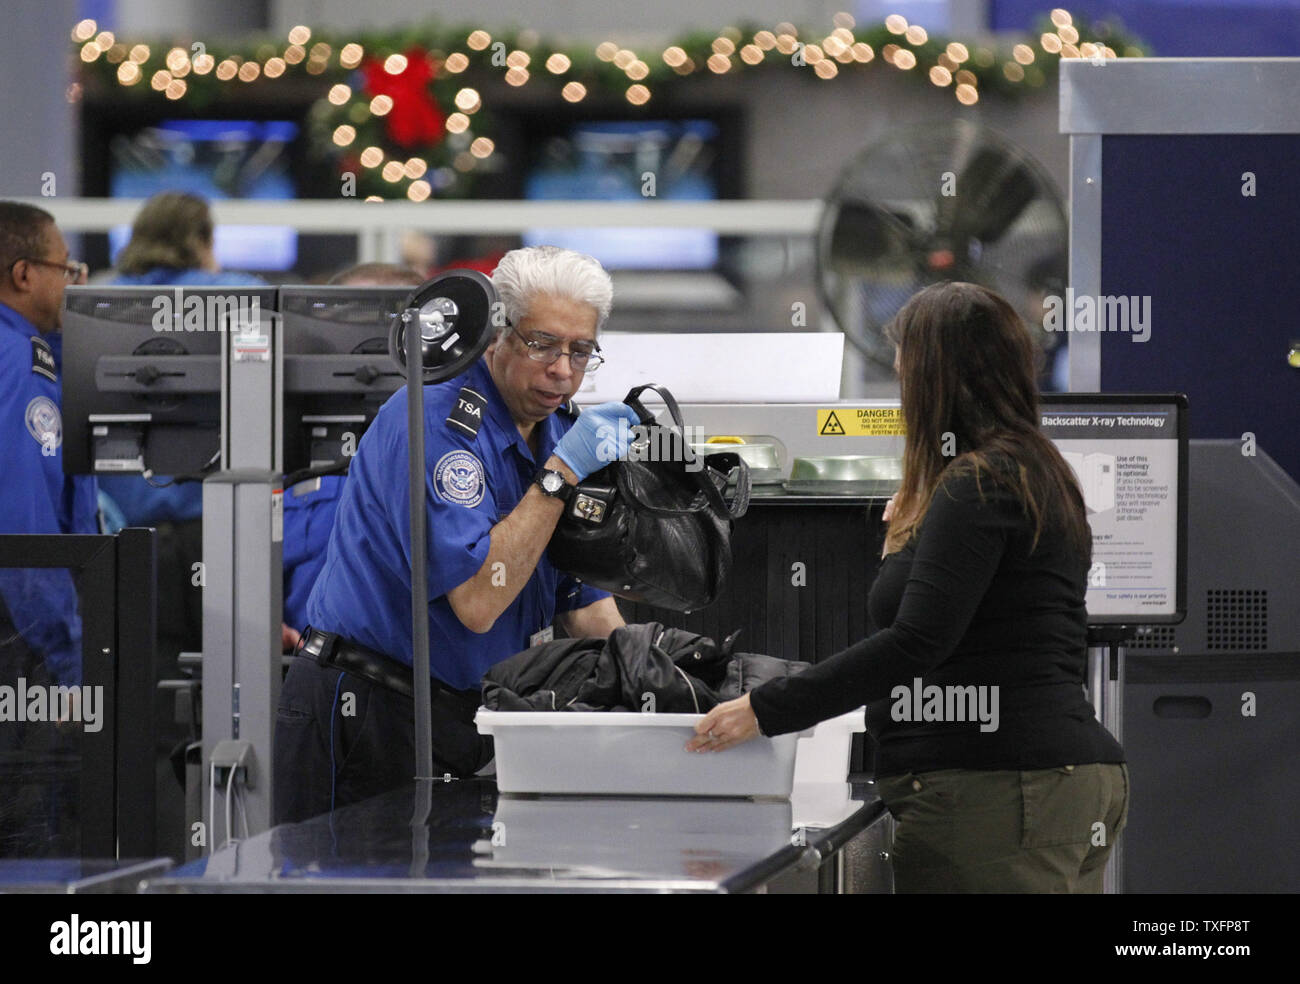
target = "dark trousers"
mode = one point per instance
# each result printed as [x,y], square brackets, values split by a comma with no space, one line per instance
[1045,830]
[340,739]
[40,766]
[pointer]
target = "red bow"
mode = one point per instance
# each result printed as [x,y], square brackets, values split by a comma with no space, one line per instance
[416,119]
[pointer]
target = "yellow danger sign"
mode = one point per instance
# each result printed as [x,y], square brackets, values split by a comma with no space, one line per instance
[860,422]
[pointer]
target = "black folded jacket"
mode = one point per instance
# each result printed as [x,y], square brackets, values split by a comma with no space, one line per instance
[645,668]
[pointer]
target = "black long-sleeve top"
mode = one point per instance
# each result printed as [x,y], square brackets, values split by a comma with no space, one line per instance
[964,604]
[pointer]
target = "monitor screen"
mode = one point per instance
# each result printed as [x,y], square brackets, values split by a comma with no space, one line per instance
[337,370]
[215,159]
[624,161]
[142,374]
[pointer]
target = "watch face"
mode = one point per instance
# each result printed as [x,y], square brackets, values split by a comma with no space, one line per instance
[552,482]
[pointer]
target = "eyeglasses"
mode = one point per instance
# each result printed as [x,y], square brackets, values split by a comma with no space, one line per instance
[72,271]
[549,352]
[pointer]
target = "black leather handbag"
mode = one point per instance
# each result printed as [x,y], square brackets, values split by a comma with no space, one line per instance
[656,527]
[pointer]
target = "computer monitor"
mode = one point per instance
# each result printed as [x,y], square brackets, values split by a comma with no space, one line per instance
[628,160]
[142,374]
[216,159]
[337,370]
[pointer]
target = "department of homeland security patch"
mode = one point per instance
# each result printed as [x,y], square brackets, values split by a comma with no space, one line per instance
[458,478]
[44,422]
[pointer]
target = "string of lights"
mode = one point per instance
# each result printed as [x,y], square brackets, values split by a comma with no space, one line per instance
[381,114]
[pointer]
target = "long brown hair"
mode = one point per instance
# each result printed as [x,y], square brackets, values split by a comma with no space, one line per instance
[169,231]
[966,368]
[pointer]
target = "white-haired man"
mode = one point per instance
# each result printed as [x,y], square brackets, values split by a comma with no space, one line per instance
[500,462]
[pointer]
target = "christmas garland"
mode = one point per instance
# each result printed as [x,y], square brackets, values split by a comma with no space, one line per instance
[402,114]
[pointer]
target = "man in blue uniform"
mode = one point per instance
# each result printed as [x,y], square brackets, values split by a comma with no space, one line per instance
[40,628]
[503,448]
[40,605]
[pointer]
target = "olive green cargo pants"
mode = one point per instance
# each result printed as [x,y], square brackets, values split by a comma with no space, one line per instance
[1047,830]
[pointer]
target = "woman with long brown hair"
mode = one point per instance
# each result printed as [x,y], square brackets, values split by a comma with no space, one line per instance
[989,756]
[171,234]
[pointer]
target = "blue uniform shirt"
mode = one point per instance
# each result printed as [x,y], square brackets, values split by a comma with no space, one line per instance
[471,484]
[35,496]
[193,277]
[309,509]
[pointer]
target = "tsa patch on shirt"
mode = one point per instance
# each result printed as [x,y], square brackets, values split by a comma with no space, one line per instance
[458,478]
[44,422]
[43,359]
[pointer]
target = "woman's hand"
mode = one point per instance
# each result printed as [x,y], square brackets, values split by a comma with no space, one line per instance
[727,724]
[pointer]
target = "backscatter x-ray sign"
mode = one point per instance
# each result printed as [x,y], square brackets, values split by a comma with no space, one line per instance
[1129,453]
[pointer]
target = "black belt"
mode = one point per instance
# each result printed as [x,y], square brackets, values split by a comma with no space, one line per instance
[330,650]
[457,745]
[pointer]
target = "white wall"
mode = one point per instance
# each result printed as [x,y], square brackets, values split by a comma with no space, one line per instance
[190,18]
[622,19]
[593,19]
[36,120]
[802,131]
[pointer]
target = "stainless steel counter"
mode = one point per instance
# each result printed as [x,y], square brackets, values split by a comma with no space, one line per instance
[77,876]
[478,841]
[823,494]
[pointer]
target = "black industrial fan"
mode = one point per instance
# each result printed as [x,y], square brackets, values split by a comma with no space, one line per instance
[940,202]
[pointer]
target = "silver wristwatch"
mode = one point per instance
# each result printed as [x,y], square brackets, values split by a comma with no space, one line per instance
[552,483]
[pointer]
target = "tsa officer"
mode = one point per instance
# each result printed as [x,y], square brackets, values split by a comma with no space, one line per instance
[38,619]
[504,446]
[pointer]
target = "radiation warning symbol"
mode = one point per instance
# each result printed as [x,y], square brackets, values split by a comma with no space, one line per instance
[832,426]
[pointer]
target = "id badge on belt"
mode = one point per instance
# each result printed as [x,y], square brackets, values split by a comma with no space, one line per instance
[545,635]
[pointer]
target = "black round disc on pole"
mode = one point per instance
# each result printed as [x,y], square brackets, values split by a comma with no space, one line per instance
[453,312]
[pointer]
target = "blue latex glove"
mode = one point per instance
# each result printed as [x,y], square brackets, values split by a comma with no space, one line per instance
[599,435]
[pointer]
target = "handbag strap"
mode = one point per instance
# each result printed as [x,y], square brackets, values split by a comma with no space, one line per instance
[647,417]
[726,462]
[729,463]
